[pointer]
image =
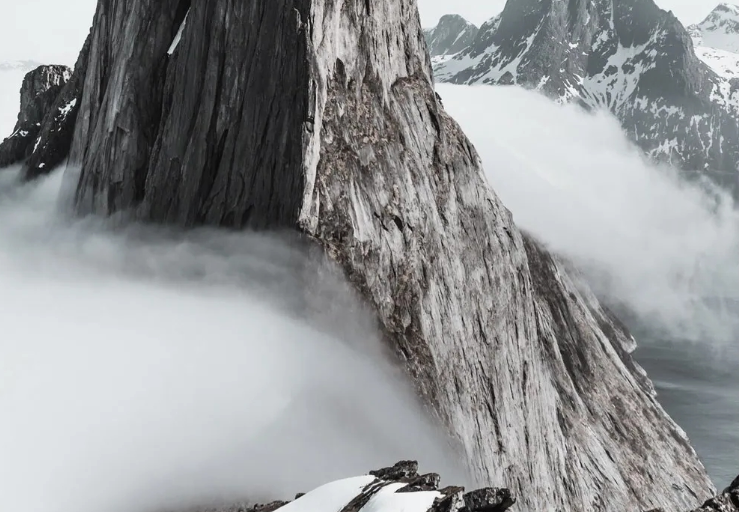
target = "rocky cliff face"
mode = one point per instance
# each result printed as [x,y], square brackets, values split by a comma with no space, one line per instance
[320,116]
[627,56]
[38,93]
[49,105]
[452,35]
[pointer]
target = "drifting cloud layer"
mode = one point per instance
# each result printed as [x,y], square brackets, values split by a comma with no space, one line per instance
[142,369]
[666,249]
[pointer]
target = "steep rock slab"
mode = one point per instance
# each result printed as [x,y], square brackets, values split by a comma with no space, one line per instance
[452,35]
[627,56]
[39,91]
[320,116]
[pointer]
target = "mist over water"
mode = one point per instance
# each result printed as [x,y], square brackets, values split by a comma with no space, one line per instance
[664,252]
[143,369]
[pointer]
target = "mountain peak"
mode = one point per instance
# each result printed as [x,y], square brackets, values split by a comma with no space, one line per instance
[452,35]
[720,29]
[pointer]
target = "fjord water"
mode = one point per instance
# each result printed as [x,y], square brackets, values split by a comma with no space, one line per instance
[700,389]
[664,251]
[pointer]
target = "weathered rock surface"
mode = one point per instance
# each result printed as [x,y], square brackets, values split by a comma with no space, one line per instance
[627,56]
[38,93]
[452,35]
[320,116]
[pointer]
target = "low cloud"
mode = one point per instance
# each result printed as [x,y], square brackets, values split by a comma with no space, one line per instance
[665,249]
[143,369]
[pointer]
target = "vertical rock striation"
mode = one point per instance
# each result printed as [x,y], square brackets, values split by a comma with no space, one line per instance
[320,116]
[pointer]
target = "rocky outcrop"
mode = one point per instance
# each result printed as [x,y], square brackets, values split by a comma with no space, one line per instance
[627,56]
[38,93]
[452,35]
[403,478]
[46,123]
[54,139]
[320,116]
[380,490]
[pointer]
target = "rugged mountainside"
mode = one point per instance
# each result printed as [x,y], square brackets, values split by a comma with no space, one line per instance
[40,89]
[627,56]
[328,124]
[452,35]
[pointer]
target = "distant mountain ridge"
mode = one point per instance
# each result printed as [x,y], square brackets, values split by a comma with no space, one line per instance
[627,56]
[452,35]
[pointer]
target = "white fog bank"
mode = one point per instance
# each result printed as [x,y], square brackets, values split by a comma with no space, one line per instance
[142,369]
[665,249]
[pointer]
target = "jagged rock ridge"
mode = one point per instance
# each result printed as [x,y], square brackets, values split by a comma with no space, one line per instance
[49,117]
[627,56]
[327,123]
[39,91]
[452,35]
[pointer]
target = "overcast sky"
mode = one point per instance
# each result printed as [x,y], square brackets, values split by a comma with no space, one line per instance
[54,30]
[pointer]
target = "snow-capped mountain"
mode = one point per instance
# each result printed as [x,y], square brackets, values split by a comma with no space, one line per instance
[716,40]
[720,30]
[627,56]
[452,35]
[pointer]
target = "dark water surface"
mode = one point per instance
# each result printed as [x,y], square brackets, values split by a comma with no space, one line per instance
[698,385]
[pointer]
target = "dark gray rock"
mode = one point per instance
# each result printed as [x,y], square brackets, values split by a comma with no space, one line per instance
[400,472]
[452,35]
[320,116]
[733,486]
[488,500]
[38,93]
[627,56]
[54,138]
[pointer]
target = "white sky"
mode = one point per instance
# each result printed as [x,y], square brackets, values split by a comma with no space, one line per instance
[52,31]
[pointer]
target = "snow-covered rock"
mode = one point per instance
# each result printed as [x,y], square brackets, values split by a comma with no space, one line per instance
[452,35]
[720,30]
[716,40]
[42,137]
[401,489]
[627,56]
[328,124]
[395,489]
